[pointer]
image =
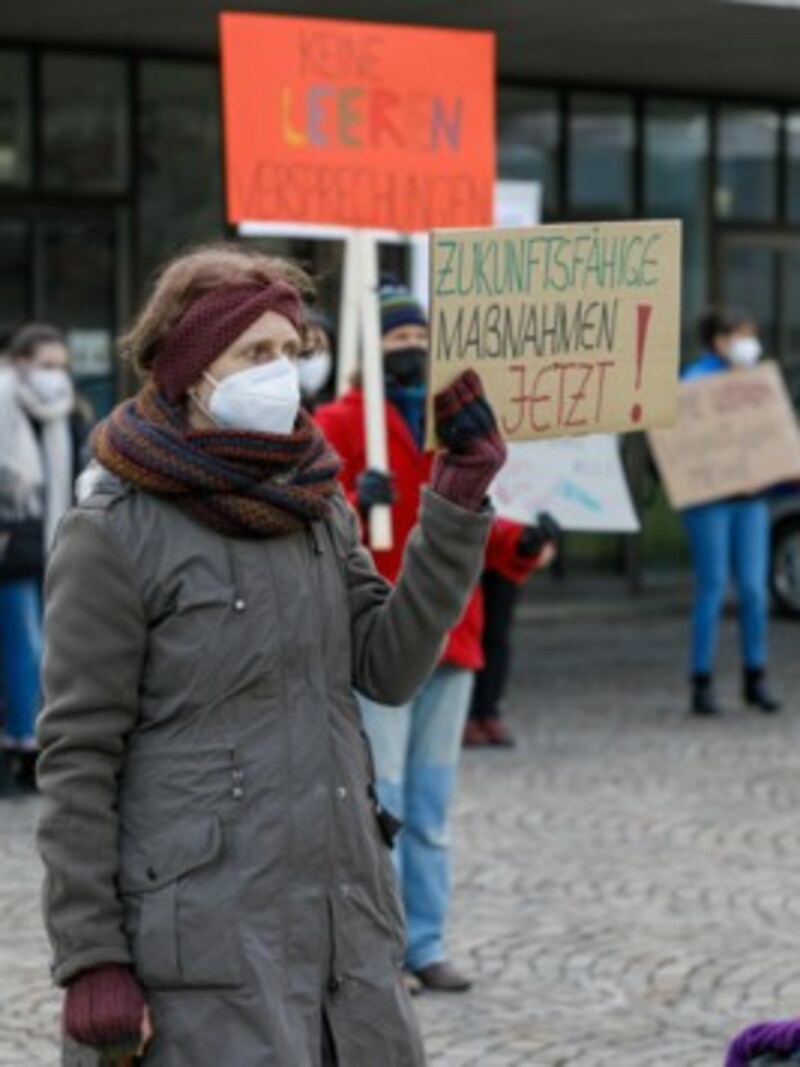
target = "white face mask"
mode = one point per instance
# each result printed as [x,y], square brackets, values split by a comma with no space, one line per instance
[314,372]
[50,384]
[264,399]
[745,351]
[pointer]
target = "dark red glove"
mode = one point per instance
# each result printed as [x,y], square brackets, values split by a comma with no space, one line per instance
[474,451]
[104,1008]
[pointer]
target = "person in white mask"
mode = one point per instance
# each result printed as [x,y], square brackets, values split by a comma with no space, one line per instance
[729,538]
[316,366]
[41,433]
[219,883]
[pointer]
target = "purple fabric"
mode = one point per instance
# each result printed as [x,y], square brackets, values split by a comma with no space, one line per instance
[782,1037]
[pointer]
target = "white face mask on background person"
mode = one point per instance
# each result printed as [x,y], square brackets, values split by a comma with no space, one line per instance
[745,351]
[50,384]
[263,399]
[314,372]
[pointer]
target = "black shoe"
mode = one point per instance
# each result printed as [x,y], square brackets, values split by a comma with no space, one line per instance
[704,701]
[22,770]
[443,978]
[17,773]
[756,693]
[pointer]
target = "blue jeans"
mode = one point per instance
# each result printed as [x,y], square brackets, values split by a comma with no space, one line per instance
[20,655]
[416,750]
[729,539]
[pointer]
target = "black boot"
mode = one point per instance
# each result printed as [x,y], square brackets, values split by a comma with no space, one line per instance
[756,693]
[704,701]
[22,769]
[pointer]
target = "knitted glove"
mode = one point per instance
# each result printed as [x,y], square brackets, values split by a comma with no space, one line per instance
[374,488]
[104,1008]
[474,450]
[533,539]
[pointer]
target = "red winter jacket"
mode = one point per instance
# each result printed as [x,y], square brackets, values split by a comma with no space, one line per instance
[342,422]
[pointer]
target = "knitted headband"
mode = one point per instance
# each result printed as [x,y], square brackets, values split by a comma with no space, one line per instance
[399,308]
[211,324]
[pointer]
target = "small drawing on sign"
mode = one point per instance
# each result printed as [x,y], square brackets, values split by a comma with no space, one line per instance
[571,491]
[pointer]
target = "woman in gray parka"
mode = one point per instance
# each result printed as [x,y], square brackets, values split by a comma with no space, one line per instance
[218,884]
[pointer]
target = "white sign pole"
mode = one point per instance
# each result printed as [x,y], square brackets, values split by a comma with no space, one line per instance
[380,518]
[347,352]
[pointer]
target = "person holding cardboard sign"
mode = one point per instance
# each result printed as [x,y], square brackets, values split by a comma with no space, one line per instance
[728,538]
[416,748]
[216,857]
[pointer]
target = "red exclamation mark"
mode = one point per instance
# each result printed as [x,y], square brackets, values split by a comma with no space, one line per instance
[643,313]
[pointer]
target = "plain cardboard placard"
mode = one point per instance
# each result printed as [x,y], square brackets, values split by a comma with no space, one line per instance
[736,434]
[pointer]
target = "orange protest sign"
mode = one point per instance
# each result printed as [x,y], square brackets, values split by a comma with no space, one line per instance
[357,124]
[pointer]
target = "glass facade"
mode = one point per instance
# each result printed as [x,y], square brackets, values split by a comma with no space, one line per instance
[747,167]
[15,242]
[793,165]
[15,119]
[110,164]
[528,125]
[602,139]
[180,161]
[677,141]
[84,124]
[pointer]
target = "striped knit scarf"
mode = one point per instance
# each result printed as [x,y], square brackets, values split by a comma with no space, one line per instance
[240,483]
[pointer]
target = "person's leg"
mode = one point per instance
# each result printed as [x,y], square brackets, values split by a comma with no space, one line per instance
[750,545]
[499,599]
[439,714]
[21,650]
[708,530]
[388,730]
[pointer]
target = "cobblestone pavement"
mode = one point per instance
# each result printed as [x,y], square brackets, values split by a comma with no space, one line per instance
[627,879]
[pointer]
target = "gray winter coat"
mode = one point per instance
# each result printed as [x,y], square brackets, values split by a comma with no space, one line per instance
[207,813]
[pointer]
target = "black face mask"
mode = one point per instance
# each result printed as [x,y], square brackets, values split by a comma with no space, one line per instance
[406,366]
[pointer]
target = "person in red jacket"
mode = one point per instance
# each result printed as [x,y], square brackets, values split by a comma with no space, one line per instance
[416,748]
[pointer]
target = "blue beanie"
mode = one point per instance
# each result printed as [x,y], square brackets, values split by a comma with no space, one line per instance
[399,308]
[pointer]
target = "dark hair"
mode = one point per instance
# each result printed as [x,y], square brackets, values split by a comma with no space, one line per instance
[716,320]
[28,339]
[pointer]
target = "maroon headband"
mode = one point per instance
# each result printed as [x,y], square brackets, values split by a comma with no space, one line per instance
[211,324]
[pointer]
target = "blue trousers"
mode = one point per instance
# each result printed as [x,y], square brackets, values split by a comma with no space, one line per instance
[20,656]
[728,540]
[416,750]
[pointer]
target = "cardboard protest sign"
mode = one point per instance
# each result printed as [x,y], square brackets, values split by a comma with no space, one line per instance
[736,434]
[578,480]
[573,329]
[357,124]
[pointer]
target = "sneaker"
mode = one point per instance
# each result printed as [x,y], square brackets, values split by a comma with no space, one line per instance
[412,983]
[474,734]
[497,733]
[442,977]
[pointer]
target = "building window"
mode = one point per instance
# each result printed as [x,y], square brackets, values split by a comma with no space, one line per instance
[78,292]
[84,124]
[601,149]
[746,187]
[528,141]
[793,163]
[15,276]
[676,175]
[180,184]
[15,119]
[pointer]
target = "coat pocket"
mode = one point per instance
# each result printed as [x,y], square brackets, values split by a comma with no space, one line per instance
[179,897]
